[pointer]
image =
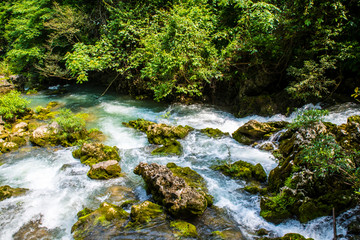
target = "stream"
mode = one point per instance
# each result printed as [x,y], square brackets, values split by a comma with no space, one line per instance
[59,187]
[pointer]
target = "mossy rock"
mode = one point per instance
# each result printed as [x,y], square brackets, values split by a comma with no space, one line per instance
[145,212]
[96,222]
[92,153]
[275,209]
[214,132]
[242,138]
[255,188]
[184,229]
[288,236]
[8,147]
[171,148]
[192,178]
[8,192]
[105,170]
[243,170]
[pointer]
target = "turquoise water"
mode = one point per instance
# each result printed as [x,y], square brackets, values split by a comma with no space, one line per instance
[59,187]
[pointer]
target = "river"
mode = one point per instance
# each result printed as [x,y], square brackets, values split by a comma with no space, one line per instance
[59,187]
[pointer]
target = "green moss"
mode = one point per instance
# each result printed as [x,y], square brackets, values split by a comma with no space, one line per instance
[218,235]
[275,209]
[243,170]
[8,147]
[242,138]
[8,192]
[192,178]
[184,229]
[145,212]
[171,148]
[93,153]
[214,133]
[84,212]
[112,171]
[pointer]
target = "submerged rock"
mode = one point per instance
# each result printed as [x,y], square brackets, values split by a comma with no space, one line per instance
[8,192]
[243,170]
[105,170]
[146,212]
[92,153]
[171,191]
[34,230]
[162,134]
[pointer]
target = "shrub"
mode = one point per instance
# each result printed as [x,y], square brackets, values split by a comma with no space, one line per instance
[12,105]
[70,122]
[308,117]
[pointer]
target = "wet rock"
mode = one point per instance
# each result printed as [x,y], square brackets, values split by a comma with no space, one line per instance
[92,153]
[45,134]
[171,191]
[243,170]
[146,212]
[119,195]
[288,236]
[267,146]
[101,223]
[262,232]
[8,147]
[255,188]
[184,229]
[253,130]
[214,133]
[354,227]
[8,192]
[193,179]
[105,170]
[34,230]
[162,134]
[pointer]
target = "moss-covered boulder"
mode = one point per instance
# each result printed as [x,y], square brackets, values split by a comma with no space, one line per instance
[100,223]
[192,178]
[214,132]
[253,131]
[8,146]
[243,170]
[48,112]
[146,212]
[45,134]
[171,191]
[8,192]
[162,134]
[183,229]
[288,236]
[105,170]
[92,153]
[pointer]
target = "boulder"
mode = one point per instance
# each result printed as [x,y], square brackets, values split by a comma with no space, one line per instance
[45,134]
[253,130]
[7,192]
[105,170]
[8,146]
[171,191]
[288,236]
[100,223]
[162,134]
[92,153]
[184,229]
[5,86]
[243,170]
[214,133]
[146,212]
[20,127]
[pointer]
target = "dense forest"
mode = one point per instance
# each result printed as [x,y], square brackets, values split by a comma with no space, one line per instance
[219,51]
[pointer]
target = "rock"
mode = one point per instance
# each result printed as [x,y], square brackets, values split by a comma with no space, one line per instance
[45,134]
[162,134]
[243,170]
[262,232]
[8,146]
[146,212]
[255,188]
[267,146]
[8,192]
[5,86]
[119,195]
[105,170]
[20,127]
[288,236]
[92,153]
[34,230]
[253,130]
[214,133]
[184,229]
[193,179]
[101,223]
[171,191]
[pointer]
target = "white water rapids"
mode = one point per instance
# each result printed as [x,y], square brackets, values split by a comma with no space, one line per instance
[59,188]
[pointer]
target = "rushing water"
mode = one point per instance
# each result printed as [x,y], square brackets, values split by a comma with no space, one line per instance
[59,187]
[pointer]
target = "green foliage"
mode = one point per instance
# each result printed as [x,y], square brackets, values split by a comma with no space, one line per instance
[70,122]
[12,105]
[326,158]
[308,117]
